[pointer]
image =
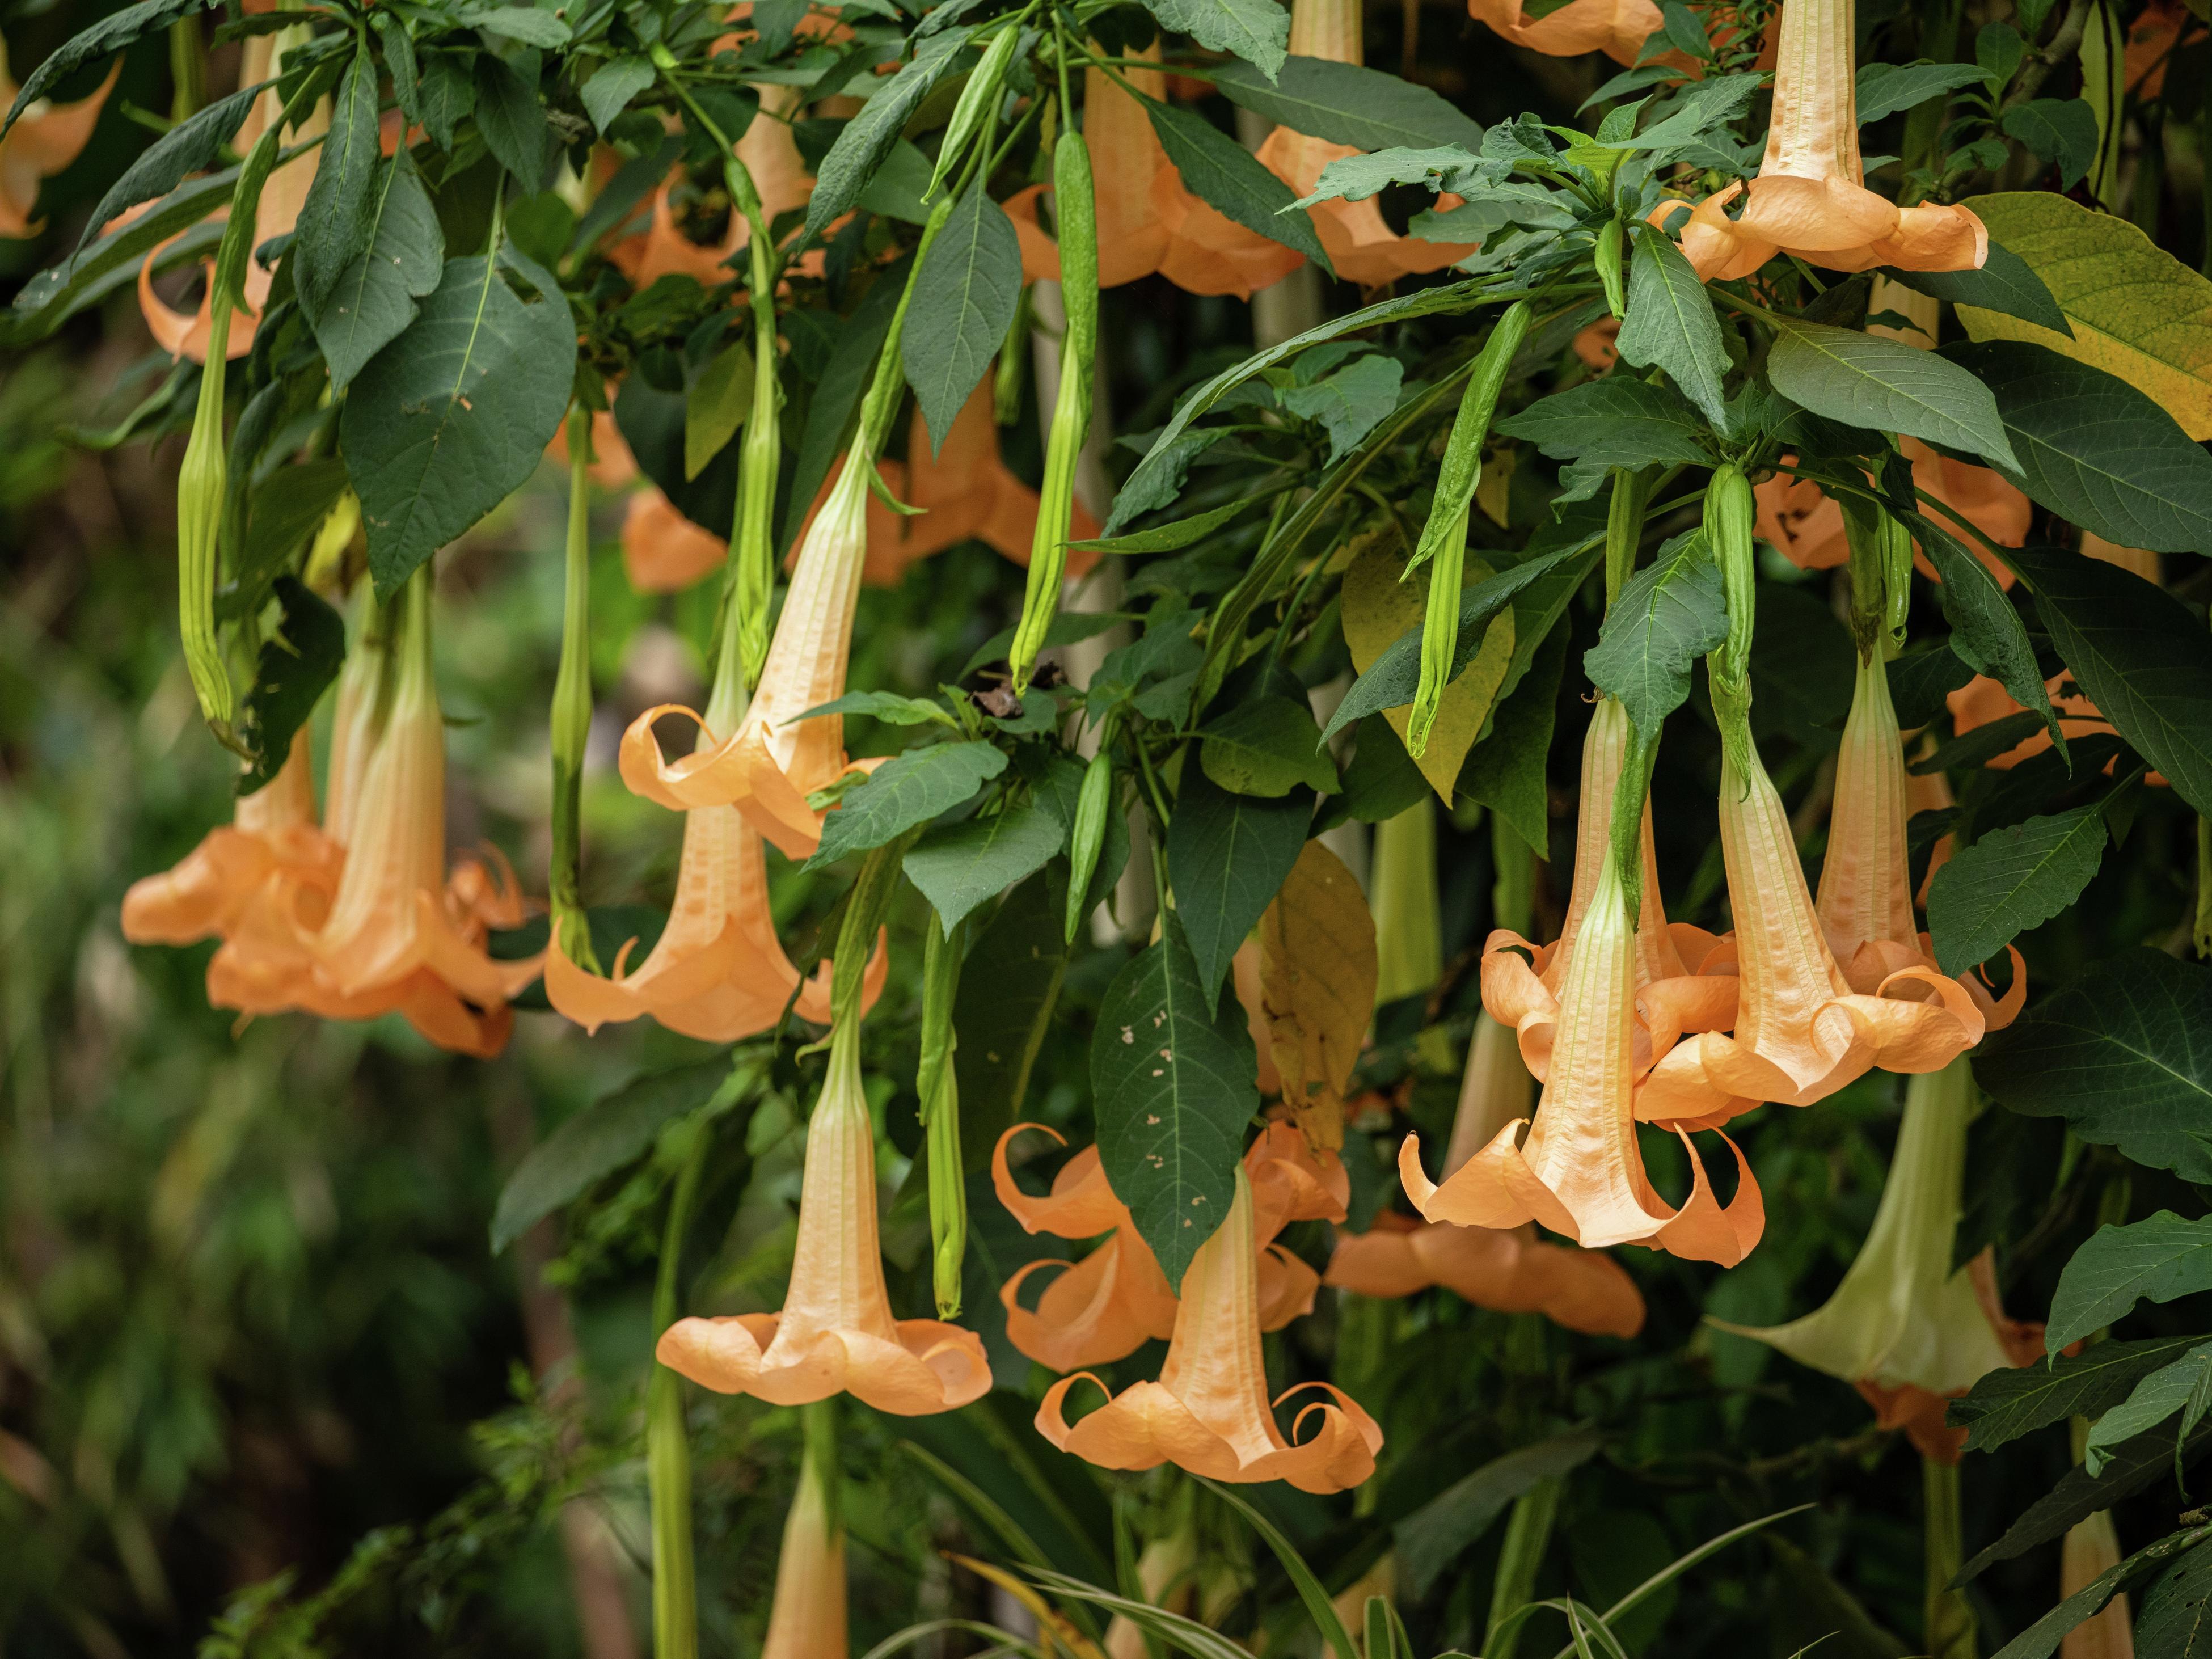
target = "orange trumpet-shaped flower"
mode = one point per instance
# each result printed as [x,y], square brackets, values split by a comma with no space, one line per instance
[663,551]
[1682,983]
[768,763]
[1802,1032]
[1808,199]
[271,831]
[835,1334]
[47,137]
[1618,28]
[1209,1412]
[1580,1171]
[771,155]
[1508,1269]
[807,1620]
[1362,247]
[1147,221]
[1105,1306]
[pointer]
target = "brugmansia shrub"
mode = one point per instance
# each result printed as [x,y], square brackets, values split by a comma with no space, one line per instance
[1621,647]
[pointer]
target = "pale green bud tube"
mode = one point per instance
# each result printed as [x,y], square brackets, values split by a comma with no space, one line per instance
[938,1081]
[572,705]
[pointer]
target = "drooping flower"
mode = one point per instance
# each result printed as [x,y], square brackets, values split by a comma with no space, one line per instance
[1147,221]
[1903,1327]
[835,1334]
[47,137]
[1508,1269]
[1209,1412]
[1808,199]
[1580,1171]
[1107,1305]
[1361,246]
[1683,983]
[1618,28]
[663,551]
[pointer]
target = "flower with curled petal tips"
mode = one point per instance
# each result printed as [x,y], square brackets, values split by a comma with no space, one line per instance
[47,137]
[835,1334]
[1209,1412]
[1618,28]
[1808,199]
[1683,979]
[1580,1171]
[1104,1307]
[1147,221]
[1508,1269]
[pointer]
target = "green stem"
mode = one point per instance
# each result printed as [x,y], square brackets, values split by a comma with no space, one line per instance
[1528,1537]
[572,705]
[667,1449]
[1950,1618]
[1623,529]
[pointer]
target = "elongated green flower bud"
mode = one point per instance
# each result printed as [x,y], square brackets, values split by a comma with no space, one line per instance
[1074,202]
[976,98]
[572,705]
[760,455]
[1444,539]
[937,1082]
[1607,257]
[1624,528]
[1729,517]
[1088,835]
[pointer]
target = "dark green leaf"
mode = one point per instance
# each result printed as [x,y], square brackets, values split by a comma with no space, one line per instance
[1009,989]
[447,95]
[2042,1639]
[1348,104]
[1619,421]
[513,121]
[191,146]
[284,510]
[1921,679]
[2139,654]
[1433,1536]
[611,87]
[1985,626]
[868,136]
[1670,324]
[526,24]
[399,58]
[1382,779]
[1670,614]
[110,34]
[1885,88]
[1268,746]
[888,706]
[905,790]
[1886,386]
[373,299]
[2154,1260]
[612,1131]
[1505,771]
[2094,450]
[2173,1622]
[2009,881]
[1227,178]
[2157,1398]
[297,664]
[964,302]
[2141,1462]
[1227,857]
[2062,131]
[2121,1055]
[1173,1084]
[959,865]
[1350,402]
[1258,31]
[447,421]
[1167,537]
[89,275]
[2007,1404]
[2005,283]
[835,397]
[337,222]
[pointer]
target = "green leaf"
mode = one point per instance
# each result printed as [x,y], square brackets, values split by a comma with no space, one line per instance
[613,1130]
[2042,1639]
[964,299]
[297,664]
[1169,538]
[716,407]
[1886,386]
[1228,855]
[906,790]
[1356,177]
[1268,746]
[2009,881]
[2140,654]
[611,87]
[2004,285]
[1885,88]
[2155,1398]
[1433,1536]
[1670,324]
[2094,450]
[2007,1404]
[447,95]
[2172,1622]
[447,421]
[1619,421]
[1348,104]
[512,120]
[835,395]
[1227,178]
[1319,1607]
[527,24]
[336,225]
[1009,989]
[2117,1054]
[868,136]
[1173,1084]
[191,146]
[2141,1462]
[1985,626]
[959,865]
[1506,770]
[2062,131]
[1670,614]
[1258,31]
[888,706]
[1382,779]
[2154,1260]
[1349,403]
[88,276]
[110,34]
[373,301]
[282,511]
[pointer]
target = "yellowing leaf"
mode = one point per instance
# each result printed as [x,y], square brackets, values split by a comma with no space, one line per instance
[1317,987]
[2138,313]
[1377,609]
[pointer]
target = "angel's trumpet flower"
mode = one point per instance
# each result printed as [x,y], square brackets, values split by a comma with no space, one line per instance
[770,153]
[1580,1171]
[1618,28]
[1147,221]
[1209,1412]
[1903,1327]
[835,1334]
[1808,199]
[1802,1032]
[1104,1307]
[807,1620]
[271,831]
[1362,247]
[1508,1269]
[1682,983]
[47,137]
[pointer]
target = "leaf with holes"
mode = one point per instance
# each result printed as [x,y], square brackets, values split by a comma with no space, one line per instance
[1317,977]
